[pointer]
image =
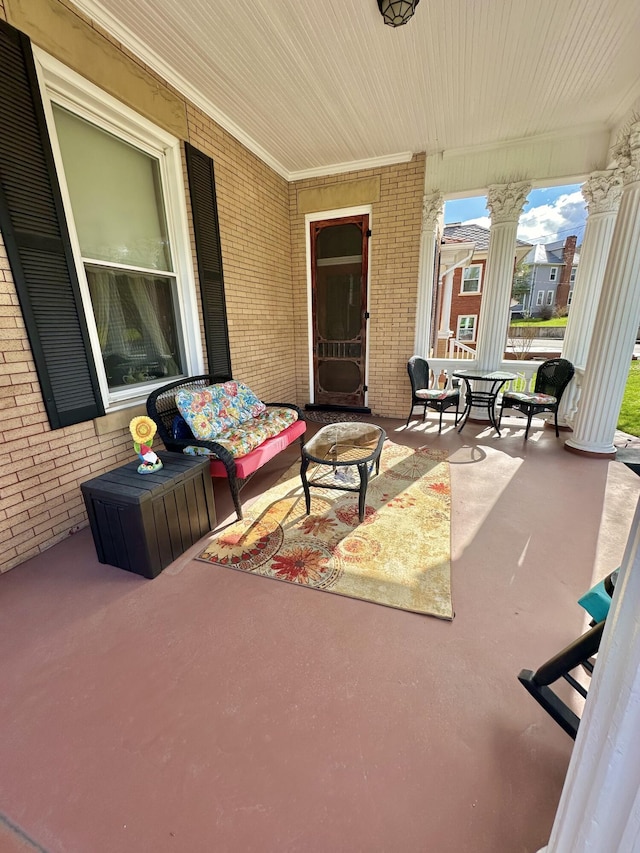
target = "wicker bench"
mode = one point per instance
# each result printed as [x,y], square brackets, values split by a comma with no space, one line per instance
[176,436]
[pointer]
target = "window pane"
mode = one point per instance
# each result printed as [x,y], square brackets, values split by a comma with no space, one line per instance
[466,328]
[116,195]
[338,303]
[471,280]
[339,241]
[136,324]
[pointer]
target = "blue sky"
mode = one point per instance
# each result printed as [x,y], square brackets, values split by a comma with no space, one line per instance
[550,214]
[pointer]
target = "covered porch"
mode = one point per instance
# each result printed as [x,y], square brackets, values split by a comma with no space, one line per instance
[212,710]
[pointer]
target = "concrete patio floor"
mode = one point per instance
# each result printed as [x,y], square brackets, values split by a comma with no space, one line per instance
[208,710]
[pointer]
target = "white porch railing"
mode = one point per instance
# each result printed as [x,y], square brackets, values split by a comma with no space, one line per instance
[459,350]
[525,371]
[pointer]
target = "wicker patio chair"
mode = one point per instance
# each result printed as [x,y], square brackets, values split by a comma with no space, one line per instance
[551,381]
[439,399]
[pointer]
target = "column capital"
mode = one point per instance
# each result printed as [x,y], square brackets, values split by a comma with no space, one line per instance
[602,191]
[432,203]
[505,201]
[627,154]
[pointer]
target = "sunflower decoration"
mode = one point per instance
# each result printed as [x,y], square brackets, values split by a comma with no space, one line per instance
[142,431]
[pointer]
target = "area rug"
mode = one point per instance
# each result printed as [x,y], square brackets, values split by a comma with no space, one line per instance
[398,556]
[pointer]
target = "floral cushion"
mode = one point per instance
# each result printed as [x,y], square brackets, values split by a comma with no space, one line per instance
[435,393]
[245,437]
[535,399]
[249,405]
[212,410]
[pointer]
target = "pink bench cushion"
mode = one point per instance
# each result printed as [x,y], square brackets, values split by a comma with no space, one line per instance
[246,465]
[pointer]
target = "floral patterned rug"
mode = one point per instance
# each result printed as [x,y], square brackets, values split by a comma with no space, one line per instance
[398,556]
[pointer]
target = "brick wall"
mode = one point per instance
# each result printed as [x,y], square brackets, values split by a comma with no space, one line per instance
[40,469]
[253,206]
[263,248]
[394,255]
[465,303]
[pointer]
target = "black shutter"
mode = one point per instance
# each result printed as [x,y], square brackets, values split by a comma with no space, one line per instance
[35,234]
[202,189]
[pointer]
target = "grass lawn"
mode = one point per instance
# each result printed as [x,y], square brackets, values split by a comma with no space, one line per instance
[534,321]
[629,418]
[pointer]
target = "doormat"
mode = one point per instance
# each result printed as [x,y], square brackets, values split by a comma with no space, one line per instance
[398,556]
[320,417]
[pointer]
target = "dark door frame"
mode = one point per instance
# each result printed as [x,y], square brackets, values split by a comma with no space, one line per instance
[338,215]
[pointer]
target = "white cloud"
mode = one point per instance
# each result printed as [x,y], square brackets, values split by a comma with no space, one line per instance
[555,221]
[482,221]
[548,222]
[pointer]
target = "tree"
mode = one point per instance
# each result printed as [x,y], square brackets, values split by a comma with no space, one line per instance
[520,340]
[521,281]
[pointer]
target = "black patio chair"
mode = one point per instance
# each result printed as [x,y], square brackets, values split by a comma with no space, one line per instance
[551,380]
[439,399]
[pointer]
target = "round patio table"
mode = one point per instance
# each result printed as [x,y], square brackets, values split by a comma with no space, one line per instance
[335,450]
[484,397]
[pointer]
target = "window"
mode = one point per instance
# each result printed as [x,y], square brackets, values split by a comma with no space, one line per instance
[121,181]
[569,298]
[540,297]
[553,273]
[471,279]
[466,328]
[572,277]
[549,297]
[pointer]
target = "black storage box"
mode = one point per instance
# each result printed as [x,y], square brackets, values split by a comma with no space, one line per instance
[142,522]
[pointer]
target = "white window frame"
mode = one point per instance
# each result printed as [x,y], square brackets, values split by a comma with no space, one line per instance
[550,296]
[68,89]
[539,298]
[464,292]
[572,276]
[461,317]
[569,298]
[553,273]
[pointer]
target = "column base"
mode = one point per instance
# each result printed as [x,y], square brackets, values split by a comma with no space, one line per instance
[605,453]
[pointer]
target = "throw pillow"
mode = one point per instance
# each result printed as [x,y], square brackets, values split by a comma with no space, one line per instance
[180,428]
[207,411]
[249,406]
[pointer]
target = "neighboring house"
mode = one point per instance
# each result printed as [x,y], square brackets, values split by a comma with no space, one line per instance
[463,258]
[553,268]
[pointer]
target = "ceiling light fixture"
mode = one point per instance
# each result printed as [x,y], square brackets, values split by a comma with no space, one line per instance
[397,12]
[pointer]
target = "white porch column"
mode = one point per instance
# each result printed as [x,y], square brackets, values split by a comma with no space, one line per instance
[617,317]
[444,330]
[602,193]
[599,808]
[432,206]
[505,203]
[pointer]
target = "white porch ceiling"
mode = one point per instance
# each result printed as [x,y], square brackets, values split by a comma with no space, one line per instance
[316,86]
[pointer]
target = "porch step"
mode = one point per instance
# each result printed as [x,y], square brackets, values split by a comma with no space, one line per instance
[630,456]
